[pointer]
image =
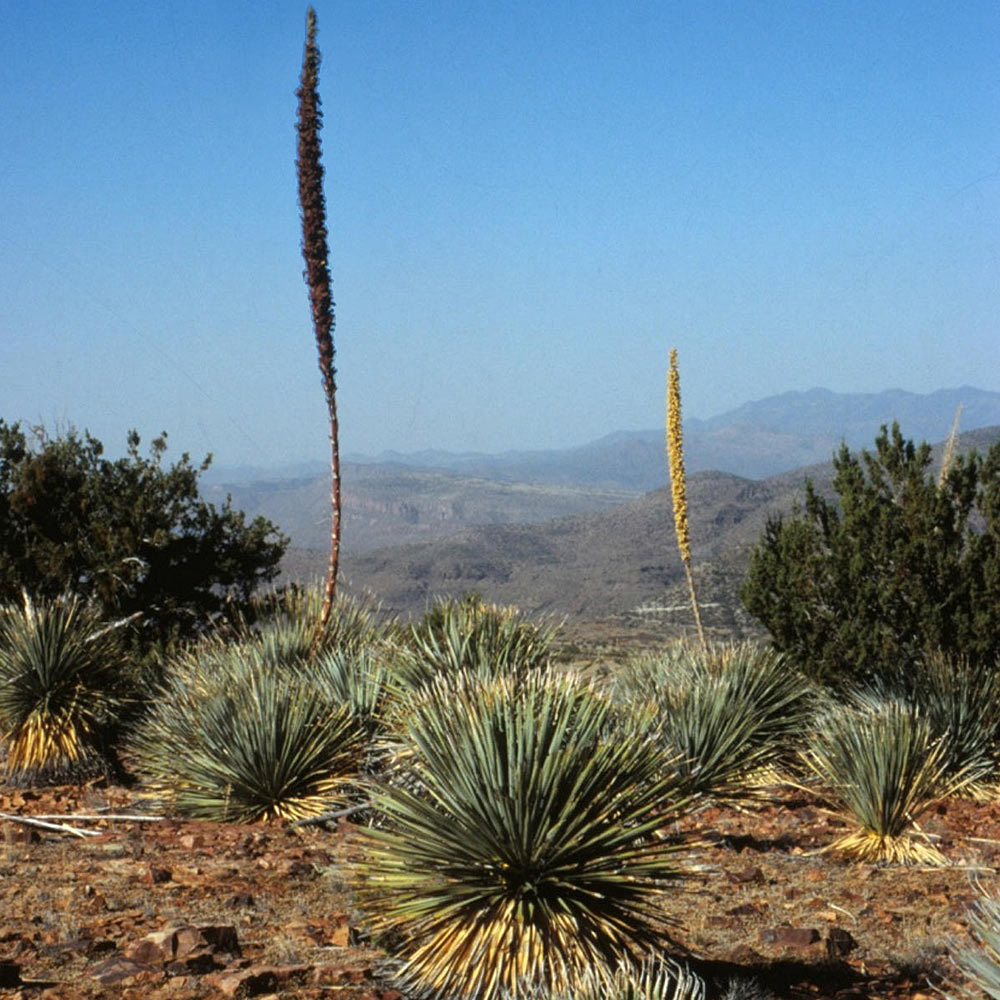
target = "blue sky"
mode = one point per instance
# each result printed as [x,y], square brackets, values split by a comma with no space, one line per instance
[529,204]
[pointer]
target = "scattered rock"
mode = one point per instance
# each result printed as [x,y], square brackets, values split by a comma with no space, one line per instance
[299,869]
[259,980]
[745,955]
[790,937]
[748,875]
[10,975]
[215,937]
[157,875]
[337,975]
[117,969]
[192,947]
[839,942]
[15,833]
[157,948]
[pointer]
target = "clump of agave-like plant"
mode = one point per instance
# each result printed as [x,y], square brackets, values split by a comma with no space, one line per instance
[980,963]
[355,678]
[293,619]
[471,634]
[958,699]
[235,736]
[656,977]
[880,763]
[520,842]
[64,684]
[729,713]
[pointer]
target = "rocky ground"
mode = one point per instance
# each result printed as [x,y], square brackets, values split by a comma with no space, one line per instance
[185,910]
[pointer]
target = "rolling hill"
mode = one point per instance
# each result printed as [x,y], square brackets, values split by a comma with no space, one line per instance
[587,533]
[618,565]
[398,499]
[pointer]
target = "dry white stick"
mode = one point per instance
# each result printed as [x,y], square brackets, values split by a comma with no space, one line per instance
[60,827]
[103,816]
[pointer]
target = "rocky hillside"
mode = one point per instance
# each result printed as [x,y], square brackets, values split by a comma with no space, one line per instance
[433,495]
[618,565]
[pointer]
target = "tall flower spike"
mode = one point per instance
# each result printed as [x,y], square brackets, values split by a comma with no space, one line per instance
[317,275]
[949,449]
[678,486]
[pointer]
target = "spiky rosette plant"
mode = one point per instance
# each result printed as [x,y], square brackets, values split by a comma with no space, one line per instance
[357,679]
[522,843]
[470,634]
[229,741]
[657,977]
[958,698]
[354,623]
[63,686]
[730,714]
[980,963]
[881,766]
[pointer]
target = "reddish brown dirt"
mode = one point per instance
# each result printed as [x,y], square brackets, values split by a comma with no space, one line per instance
[760,903]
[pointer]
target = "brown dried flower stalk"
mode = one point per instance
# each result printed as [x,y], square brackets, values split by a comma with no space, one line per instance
[317,275]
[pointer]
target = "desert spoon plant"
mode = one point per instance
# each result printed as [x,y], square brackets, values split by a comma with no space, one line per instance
[678,485]
[63,687]
[882,766]
[521,843]
[315,252]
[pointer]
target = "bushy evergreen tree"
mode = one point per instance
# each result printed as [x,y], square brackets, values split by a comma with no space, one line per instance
[130,534]
[903,564]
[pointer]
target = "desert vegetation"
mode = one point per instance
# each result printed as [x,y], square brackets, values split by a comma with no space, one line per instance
[504,820]
[315,253]
[523,824]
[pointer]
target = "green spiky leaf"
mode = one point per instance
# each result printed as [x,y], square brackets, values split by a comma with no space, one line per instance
[522,840]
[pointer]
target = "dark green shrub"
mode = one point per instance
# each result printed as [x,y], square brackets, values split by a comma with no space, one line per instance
[130,535]
[901,565]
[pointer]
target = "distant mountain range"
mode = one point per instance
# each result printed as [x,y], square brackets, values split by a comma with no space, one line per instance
[618,566]
[393,499]
[587,533]
[755,440]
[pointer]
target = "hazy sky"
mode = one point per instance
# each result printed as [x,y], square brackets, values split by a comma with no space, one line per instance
[529,204]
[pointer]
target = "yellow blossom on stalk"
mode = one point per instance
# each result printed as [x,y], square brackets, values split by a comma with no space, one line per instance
[675,452]
[949,449]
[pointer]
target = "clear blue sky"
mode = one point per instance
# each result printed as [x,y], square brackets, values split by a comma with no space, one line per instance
[529,204]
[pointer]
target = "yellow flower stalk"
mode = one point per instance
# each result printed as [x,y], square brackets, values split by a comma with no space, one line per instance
[949,449]
[678,491]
